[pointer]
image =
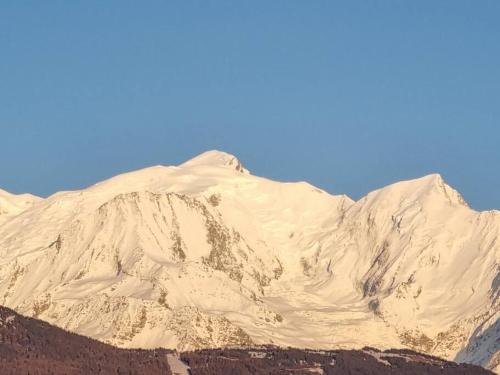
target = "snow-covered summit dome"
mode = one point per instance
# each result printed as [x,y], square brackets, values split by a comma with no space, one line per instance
[216,158]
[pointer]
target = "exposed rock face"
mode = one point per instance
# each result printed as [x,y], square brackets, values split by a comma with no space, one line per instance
[142,241]
[206,255]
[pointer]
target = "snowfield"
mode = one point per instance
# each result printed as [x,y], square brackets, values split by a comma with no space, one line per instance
[205,254]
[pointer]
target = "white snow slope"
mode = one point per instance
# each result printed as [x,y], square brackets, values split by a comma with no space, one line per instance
[205,254]
[12,205]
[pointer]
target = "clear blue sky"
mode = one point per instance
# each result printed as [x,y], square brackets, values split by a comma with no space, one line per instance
[349,95]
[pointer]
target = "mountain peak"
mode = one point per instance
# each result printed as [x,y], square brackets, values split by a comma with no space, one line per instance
[433,187]
[216,158]
[439,184]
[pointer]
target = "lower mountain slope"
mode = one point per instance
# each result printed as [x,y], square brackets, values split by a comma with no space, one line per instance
[31,346]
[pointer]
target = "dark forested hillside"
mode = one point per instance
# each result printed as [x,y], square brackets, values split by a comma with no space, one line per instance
[276,361]
[30,346]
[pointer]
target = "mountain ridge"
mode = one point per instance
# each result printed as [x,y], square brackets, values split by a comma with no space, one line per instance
[205,253]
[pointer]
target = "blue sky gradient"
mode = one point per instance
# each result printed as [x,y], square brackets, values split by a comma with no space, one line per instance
[349,95]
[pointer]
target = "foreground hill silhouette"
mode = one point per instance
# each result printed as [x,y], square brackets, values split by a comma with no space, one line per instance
[30,346]
[369,361]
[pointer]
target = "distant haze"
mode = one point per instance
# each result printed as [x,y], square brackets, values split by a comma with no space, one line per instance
[349,96]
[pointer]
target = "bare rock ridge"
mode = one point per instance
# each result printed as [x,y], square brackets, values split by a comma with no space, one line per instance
[206,255]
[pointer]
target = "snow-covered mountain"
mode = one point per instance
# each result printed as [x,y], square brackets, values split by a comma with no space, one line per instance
[205,254]
[12,204]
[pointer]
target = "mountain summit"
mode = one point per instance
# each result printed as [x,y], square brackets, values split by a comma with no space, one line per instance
[206,255]
[430,190]
[216,159]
